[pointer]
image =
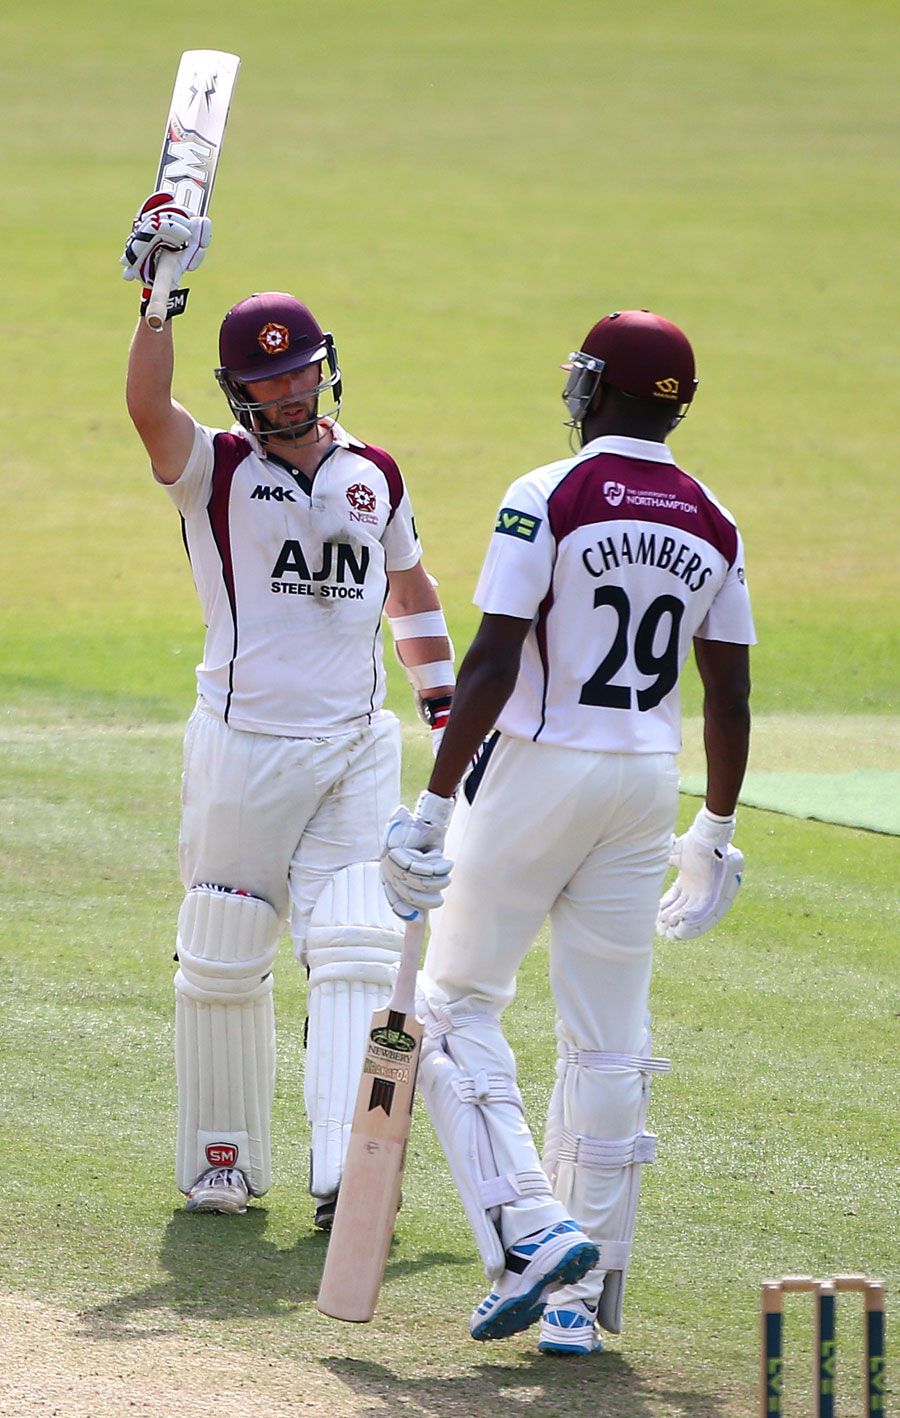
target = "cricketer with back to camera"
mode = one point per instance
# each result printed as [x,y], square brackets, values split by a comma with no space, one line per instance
[300,537]
[602,571]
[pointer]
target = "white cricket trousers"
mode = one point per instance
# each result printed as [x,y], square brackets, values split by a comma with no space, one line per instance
[576,836]
[582,838]
[279,816]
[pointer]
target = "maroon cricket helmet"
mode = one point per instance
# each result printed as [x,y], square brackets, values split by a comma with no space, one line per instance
[270,334]
[262,337]
[643,355]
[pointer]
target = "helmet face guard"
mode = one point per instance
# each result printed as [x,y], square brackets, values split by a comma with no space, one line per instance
[266,417]
[585,372]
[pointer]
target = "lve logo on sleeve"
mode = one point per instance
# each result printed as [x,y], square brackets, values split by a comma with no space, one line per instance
[517,524]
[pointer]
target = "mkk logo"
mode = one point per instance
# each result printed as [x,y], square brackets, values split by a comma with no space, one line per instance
[221,1154]
[275,494]
[517,524]
[614,492]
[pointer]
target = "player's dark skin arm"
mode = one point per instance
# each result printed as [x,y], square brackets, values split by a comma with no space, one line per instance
[725,672]
[486,680]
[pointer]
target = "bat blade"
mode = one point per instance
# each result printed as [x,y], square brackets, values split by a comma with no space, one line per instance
[195,127]
[369,1195]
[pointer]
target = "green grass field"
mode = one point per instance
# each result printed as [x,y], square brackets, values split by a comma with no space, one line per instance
[458,192]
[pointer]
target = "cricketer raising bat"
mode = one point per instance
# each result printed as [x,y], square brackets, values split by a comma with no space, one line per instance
[369,1196]
[195,128]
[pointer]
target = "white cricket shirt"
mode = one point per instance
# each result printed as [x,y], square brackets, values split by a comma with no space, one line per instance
[292,579]
[619,558]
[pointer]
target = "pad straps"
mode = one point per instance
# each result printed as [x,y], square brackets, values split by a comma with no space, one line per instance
[595,1058]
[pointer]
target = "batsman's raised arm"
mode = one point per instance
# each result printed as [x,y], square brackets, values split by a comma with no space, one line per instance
[165,428]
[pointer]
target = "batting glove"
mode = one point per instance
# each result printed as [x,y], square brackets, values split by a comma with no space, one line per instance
[414,871]
[161,226]
[709,874]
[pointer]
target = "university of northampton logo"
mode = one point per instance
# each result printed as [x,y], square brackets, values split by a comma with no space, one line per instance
[613,492]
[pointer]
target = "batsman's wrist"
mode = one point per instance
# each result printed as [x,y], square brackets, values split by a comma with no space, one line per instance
[436,711]
[434,809]
[177,305]
[713,830]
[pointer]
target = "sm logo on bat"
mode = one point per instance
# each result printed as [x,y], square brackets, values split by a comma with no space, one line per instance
[185,167]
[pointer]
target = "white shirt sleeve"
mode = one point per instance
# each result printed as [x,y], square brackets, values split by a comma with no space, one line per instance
[518,566]
[402,549]
[192,490]
[730,618]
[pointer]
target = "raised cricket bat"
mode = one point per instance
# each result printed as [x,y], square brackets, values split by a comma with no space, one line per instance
[370,1186]
[195,128]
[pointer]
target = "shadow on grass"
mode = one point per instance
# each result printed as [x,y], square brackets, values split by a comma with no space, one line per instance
[222,1268]
[601,1386]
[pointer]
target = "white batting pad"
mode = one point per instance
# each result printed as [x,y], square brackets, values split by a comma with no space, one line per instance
[225,1035]
[599,1178]
[353,946]
[467,1078]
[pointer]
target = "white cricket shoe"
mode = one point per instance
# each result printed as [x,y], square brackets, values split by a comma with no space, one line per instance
[557,1256]
[570,1329]
[220,1189]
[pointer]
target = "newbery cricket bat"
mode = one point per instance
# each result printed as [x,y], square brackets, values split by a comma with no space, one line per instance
[195,128]
[370,1186]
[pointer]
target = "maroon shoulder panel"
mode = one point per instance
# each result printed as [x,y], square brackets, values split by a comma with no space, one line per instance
[385,463]
[612,488]
[230,451]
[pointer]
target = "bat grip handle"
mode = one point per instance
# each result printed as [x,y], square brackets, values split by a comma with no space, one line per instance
[167,271]
[403,998]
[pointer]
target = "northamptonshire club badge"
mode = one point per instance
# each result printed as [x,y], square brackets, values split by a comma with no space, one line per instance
[363,502]
[274,339]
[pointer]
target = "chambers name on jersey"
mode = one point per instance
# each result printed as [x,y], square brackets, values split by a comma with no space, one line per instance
[619,558]
[292,579]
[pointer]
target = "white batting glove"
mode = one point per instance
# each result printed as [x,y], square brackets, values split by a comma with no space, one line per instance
[414,871]
[162,226]
[709,874]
